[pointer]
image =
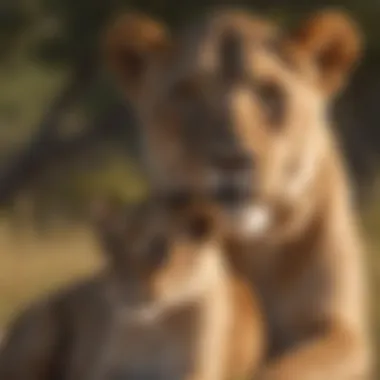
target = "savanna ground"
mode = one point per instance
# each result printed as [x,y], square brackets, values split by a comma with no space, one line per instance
[32,265]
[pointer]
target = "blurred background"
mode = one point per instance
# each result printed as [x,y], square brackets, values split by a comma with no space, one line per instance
[66,138]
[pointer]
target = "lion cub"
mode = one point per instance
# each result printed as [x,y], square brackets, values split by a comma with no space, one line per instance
[170,305]
[191,315]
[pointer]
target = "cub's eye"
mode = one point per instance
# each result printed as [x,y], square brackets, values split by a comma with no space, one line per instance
[187,90]
[199,227]
[273,99]
[177,199]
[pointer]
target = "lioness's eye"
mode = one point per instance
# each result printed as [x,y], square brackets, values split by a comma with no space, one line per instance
[187,97]
[273,99]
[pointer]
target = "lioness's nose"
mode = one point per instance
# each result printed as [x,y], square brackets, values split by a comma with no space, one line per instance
[234,162]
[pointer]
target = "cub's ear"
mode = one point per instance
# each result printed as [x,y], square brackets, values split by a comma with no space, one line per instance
[333,43]
[131,44]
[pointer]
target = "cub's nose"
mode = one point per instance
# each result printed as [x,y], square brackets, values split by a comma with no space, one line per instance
[234,162]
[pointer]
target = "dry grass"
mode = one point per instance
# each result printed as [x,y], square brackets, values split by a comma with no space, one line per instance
[31,265]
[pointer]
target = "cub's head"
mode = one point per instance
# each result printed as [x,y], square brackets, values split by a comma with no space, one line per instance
[173,257]
[233,107]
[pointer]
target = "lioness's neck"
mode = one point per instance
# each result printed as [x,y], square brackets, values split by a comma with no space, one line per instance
[328,195]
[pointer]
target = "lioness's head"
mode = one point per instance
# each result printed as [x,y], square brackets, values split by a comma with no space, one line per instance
[234,107]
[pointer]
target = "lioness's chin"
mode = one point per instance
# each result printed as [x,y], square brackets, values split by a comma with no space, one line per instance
[250,220]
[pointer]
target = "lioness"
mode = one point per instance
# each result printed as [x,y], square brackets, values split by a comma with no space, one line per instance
[170,306]
[237,109]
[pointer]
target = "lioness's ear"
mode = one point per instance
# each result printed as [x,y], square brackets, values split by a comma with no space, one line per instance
[131,44]
[333,43]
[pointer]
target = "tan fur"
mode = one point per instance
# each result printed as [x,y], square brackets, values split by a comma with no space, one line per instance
[335,41]
[232,84]
[188,315]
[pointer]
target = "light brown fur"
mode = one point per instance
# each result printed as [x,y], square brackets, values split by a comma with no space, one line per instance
[235,84]
[169,306]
